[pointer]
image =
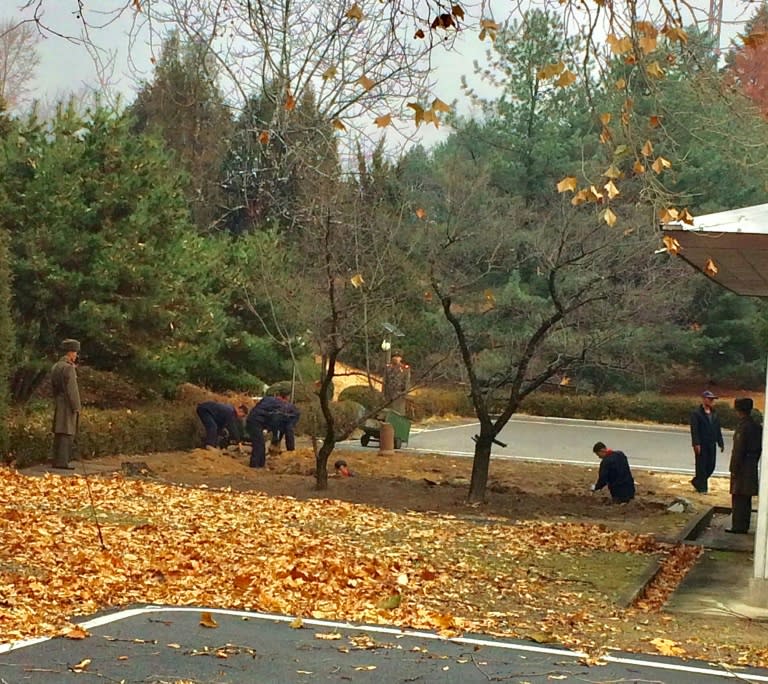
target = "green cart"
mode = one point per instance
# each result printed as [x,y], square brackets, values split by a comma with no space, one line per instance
[400,424]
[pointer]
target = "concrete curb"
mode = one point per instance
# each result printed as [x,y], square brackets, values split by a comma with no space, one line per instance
[626,599]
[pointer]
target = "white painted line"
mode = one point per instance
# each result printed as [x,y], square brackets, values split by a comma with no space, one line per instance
[393,631]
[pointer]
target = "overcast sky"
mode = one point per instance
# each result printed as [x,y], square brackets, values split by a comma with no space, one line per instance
[68,67]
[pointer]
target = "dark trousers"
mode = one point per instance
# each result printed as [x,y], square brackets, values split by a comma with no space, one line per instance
[211,427]
[741,512]
[63,446]
[705,466]
[258,446]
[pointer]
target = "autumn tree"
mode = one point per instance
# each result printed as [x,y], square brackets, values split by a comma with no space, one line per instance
[748,61]
[18,61]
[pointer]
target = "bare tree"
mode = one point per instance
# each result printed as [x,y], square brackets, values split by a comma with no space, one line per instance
[18,61]
[584,286]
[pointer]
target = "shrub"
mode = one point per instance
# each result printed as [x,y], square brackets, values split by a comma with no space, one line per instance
[155,427]
[427,401]
[362,394]
[347,415]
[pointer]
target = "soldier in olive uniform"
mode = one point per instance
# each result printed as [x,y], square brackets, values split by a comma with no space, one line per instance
[66,398]
[747,447]
[397,382]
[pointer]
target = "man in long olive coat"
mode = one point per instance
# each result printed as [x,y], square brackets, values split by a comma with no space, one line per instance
[747,446]
[66,398]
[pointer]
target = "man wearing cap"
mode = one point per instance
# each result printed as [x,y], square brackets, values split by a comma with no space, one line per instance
[66,399]
[396,382]
[706,435]
[747,447]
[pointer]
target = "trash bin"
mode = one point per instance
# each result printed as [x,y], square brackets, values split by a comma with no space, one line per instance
[402,427]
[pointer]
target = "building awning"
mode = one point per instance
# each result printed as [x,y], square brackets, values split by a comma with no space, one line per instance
[729,247]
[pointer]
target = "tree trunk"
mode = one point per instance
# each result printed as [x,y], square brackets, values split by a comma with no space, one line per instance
[321,466]
[480,467]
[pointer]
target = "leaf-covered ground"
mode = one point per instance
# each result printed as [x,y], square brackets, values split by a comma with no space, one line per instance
[544,567]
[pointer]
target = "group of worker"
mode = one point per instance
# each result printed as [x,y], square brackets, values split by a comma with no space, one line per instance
[706,437]
[278,416]
[273,414]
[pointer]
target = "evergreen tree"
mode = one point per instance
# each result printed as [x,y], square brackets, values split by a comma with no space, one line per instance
[103,250]
[184,105]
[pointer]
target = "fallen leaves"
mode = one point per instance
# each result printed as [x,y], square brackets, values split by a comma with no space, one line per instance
[198,546]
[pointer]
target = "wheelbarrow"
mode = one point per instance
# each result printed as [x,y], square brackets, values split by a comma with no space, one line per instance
[372,428]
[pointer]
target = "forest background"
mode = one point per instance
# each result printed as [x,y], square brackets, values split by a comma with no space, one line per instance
[188,239]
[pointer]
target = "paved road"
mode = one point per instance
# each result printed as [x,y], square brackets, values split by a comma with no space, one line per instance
[663,448]
[156,645]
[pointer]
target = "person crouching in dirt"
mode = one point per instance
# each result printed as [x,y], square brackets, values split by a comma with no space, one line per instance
[277,415]
[217,417]
[342,469]
[614,472]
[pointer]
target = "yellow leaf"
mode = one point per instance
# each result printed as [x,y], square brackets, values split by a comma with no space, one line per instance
[611,189]
[620,84]
[605,136]
[418,116]
[669,215]
[672,245]
[290,103]
[429,116]
[328,636]
[439,106]
[296,623]
[81,666]
[206,620]
[647,150]
[366,82]
[551,70]
[355,12]
[489,297]
[338,124]
[686,217]
[646,28]
[457,11]
[654,121]
[675,33]
[711,268]
[667,647]
[264,137]
[569,183]
[619,46]
[488,29]
[330,72]
[660,164]
[565,79]
[77,633]
[565,381]
[357,280]
[647,44]
[580,198]
[383,121]
[605,118]
[365,668]
[638,167]
[612,172]
[402,579]
[421,213]
[654,70]
[609,217]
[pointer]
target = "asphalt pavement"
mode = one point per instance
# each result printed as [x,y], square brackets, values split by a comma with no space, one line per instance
[154,644]
[564,440]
